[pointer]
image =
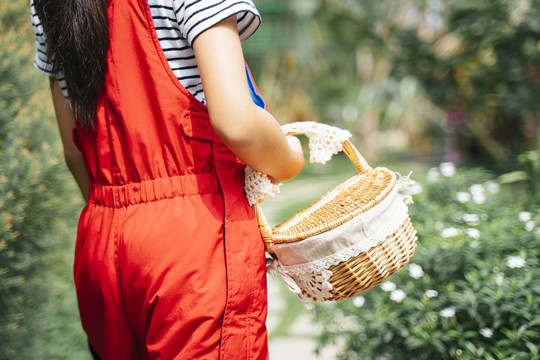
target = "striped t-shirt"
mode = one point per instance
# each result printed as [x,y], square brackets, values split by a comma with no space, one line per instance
[177,23]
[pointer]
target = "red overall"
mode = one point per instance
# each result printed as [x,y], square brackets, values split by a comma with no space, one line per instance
[169,263]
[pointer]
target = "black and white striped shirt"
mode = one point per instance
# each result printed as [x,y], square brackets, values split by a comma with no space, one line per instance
[177,23]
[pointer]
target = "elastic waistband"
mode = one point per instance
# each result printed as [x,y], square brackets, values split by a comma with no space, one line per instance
[153,190]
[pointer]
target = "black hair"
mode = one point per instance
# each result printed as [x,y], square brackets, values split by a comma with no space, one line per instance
[77,38]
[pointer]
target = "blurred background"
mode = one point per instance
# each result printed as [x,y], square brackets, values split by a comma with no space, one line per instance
[449,89]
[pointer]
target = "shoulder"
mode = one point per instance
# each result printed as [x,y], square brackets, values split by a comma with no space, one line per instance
[41,60]
[196,16]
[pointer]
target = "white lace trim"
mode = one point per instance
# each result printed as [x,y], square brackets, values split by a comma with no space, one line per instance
[316,285]
[313,277]
[324,142]
[258,186]
[275,265]
[404,182]
[352,251]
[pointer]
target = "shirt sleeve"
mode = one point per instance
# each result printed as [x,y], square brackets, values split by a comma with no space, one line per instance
[196,16]
[41,62]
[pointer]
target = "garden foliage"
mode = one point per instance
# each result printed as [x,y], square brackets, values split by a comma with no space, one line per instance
[457,78]
[471,290]
[36,193]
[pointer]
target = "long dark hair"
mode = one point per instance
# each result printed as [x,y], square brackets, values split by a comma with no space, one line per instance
[77,37]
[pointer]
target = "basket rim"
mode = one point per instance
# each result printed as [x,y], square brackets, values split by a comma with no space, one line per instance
[280,234]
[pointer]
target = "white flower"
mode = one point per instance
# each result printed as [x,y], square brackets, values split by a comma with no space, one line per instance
[474,244]
[529,225]
[431,293]
[358,301]
[499,279]
[449,232]
[397,295]
[415,189]
[537,231]
[492,187]
[474,233]
[463,197]
[515,262]
[477,192]
[388,286]
[448,312]
[476,189]
[433,174]
[479,199]
[415,271]
[525,216]
[486,332]
[471,219]
[447,169]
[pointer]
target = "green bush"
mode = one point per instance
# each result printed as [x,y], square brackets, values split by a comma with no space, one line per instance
[471,290]
[38,205]
[476,60]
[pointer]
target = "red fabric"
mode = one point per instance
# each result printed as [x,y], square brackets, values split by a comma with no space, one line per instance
[169,263]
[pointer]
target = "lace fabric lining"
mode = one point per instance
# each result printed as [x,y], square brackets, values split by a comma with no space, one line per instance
[358,230]
[313,277]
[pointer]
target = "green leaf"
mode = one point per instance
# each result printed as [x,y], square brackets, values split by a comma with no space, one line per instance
[513,177]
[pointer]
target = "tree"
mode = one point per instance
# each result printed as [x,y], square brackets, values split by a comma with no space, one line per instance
[479,61]
[36,193]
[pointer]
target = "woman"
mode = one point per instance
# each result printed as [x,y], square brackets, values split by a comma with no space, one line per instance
[169,263]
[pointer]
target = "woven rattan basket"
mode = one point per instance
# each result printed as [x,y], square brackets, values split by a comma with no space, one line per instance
[358,195]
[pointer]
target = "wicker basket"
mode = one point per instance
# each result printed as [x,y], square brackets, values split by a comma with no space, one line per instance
[359,195]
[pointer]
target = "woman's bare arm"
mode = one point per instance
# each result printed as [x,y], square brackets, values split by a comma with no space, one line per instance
[66,123]
[249,131]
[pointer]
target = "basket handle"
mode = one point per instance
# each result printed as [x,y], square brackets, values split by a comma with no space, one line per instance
[334,139]
[264,227]
[325,141]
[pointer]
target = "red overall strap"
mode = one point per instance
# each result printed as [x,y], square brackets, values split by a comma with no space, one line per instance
[153,141]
